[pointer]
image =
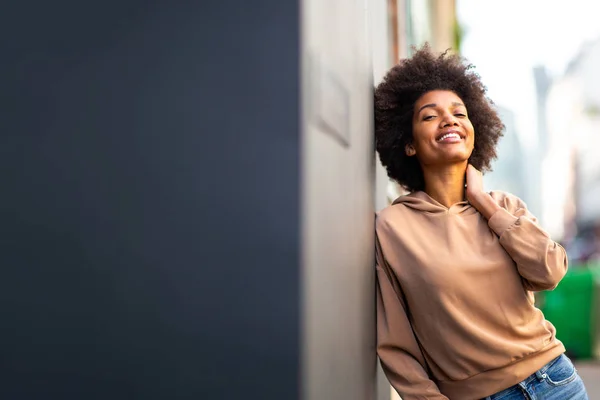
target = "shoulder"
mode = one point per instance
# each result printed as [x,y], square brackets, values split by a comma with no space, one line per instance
[508,201]
[385,216]
[390,215]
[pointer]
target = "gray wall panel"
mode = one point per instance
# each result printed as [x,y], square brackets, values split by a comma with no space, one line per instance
[338,206]
[150,211]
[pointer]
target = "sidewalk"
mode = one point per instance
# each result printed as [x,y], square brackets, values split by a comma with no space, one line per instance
[590,373]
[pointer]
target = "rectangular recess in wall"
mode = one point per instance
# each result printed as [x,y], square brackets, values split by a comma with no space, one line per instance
[330,101]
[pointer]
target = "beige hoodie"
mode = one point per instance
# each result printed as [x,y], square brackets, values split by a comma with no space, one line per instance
[455,309]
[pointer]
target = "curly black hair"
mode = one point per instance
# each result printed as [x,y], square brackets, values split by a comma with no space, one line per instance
[395,98]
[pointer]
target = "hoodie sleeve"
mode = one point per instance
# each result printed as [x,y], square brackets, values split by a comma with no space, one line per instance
[541,262]
[398,350]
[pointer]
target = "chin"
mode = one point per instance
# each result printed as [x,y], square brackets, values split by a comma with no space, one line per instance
[456,158]
[447,158]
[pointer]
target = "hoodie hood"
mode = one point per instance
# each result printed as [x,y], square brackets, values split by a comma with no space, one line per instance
[421,201]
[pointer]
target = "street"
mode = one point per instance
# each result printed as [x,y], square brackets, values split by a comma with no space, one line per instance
[590,373]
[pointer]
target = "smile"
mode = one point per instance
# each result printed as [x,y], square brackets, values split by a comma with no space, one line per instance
[449,137]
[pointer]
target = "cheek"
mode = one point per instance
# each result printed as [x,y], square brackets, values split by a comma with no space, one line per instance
[472,133]
[417,139]
[471,145]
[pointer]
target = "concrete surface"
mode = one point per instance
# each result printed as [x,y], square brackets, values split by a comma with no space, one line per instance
[590,373]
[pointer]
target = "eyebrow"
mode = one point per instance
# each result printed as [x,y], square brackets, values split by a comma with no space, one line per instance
[432,105]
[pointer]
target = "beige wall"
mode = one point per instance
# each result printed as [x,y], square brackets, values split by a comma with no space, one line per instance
[338,333]
[443,18]
[431,21]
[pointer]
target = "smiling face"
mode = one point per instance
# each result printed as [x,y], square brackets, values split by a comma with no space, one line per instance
[442,131]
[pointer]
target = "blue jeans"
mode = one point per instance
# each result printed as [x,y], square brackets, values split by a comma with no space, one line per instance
[557,380]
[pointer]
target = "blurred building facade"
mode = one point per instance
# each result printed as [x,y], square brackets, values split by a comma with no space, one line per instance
[529,172]
[587,138]
[537,156]
[571,167]
[508,169]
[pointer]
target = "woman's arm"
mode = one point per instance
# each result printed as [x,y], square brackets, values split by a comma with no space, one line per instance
[540,261]
[397,347]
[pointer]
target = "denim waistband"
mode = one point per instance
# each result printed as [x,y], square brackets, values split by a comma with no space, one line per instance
[541,373]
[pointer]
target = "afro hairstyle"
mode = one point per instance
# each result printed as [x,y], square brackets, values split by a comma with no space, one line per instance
[397,94]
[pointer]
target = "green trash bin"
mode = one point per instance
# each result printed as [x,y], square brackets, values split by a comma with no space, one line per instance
[596,315]
[573,308]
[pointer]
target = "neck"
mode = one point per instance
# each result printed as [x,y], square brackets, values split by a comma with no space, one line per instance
[446,184]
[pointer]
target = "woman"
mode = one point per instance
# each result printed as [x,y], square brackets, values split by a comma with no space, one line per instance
[456,266]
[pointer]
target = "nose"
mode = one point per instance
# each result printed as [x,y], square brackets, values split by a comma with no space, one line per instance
[449,120]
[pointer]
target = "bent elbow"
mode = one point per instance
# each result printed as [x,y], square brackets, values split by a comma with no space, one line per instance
[550,281]
[557,267]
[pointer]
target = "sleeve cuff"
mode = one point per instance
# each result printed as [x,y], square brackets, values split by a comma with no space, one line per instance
[501,220]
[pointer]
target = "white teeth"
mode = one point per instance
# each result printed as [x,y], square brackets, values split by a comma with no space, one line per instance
[449,135]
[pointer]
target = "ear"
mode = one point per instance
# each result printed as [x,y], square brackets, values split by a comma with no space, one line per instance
[410,150]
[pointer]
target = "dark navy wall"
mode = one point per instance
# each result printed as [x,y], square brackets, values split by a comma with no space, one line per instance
[149,211]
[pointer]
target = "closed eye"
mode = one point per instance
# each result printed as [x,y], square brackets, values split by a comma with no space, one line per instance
[428,117]
[460,115]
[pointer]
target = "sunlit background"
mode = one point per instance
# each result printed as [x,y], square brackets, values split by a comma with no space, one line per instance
[539,61]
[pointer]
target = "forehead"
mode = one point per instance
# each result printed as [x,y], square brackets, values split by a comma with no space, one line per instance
[438,97]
